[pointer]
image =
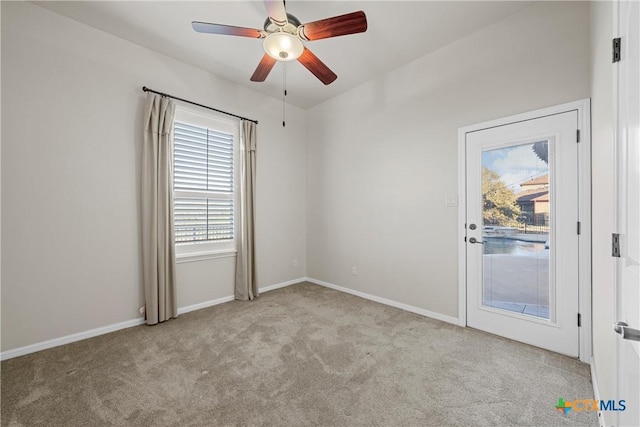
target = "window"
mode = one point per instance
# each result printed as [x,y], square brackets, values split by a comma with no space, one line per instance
[205,156]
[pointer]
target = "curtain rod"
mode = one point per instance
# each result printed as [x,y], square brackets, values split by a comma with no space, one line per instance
[146,89]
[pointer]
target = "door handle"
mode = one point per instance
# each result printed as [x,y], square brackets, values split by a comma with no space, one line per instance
[627,333]
[474,240]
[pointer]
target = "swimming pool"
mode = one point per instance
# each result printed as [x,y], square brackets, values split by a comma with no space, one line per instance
[502,246]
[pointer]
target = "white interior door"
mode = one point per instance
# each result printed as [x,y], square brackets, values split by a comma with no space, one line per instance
[522,231]
[627,143]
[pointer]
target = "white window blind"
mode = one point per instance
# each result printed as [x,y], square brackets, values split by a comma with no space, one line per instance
[203,184]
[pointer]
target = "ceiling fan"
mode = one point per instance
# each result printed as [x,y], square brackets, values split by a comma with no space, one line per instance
[283,36]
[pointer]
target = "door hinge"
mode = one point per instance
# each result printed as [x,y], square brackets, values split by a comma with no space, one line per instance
[579,320]
[617,48]
[615,245]
[579,227]
[577,135]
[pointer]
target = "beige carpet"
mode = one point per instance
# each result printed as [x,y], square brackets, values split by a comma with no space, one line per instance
[301,355]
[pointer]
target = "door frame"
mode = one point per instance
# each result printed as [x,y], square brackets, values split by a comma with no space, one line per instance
[618,151]
[583,108]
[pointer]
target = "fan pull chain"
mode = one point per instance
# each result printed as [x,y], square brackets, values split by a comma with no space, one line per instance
[284,93]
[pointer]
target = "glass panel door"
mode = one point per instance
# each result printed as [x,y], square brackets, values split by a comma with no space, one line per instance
[516,214]
[521,242]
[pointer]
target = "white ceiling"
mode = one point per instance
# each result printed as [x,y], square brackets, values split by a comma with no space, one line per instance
[398,33]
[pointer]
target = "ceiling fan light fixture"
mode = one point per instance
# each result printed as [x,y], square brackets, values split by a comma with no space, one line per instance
[283,46]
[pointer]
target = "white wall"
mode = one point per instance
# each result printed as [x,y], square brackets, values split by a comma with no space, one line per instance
[382,157]
[0,180]
[72,116]
[602,199]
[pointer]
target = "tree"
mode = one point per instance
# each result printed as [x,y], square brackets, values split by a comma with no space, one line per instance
[498,201]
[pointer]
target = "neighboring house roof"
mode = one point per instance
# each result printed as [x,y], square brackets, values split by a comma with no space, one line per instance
[542,198]
[538,195]
[541,180]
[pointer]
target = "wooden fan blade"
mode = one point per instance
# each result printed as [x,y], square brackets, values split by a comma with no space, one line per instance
[351,23]
[227,30]
[277,12]
[264,68]
[317,67]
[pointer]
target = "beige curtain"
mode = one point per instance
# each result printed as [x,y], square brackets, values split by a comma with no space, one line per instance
[246,284]
[158,248]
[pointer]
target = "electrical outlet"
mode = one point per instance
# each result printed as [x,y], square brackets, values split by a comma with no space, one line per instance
[295,262]
[354,271]
[141,310]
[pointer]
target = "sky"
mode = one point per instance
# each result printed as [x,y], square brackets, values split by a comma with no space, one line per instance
[515,164]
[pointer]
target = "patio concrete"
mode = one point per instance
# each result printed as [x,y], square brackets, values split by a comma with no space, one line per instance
[517,283]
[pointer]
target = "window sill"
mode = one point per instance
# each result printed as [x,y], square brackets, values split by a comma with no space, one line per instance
[202,256]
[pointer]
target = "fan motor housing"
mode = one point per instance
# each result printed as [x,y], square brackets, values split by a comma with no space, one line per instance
[291,27]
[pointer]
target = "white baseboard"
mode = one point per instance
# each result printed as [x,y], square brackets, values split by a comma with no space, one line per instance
[222,300]
[21,351]
[596,393]
[402,306]
[282,285]
[205,304]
